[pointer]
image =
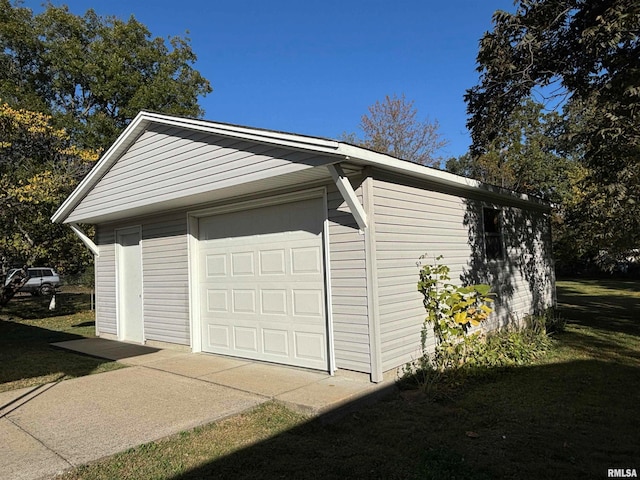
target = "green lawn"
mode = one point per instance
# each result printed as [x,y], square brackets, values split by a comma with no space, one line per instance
[27,327]
[574,414]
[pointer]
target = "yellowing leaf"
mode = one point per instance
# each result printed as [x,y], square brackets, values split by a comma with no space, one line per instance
[460,317]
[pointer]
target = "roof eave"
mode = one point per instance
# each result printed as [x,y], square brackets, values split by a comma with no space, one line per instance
[341,151]
[369,157]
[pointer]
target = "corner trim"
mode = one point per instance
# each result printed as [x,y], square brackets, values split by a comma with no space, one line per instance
[371,266]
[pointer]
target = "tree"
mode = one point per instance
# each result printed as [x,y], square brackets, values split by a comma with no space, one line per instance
[524,157]
[68,86]
[93,74]
[392,127]
[581,55]
[39,167]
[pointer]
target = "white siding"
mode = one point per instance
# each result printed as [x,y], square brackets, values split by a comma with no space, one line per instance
[348,286]
[166,163]
[166,279]
[528,249]
[165,284]
[106,320]
[411,221]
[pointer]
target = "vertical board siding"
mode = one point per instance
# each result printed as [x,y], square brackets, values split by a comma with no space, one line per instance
[106,318]
[411,221]
[165,268]
[167,163]
[348,286]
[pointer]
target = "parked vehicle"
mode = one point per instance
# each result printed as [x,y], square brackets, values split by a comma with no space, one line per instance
[42,280]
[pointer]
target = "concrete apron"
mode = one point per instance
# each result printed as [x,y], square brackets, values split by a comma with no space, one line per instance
[57,426]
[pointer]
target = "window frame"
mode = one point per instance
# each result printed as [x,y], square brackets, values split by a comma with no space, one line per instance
[497,252]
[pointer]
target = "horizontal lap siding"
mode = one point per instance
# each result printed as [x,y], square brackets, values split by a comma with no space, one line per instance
[528,247]
[106,319]
[166,279]
[166,163]
[348,286]
[165,267]
[410,222]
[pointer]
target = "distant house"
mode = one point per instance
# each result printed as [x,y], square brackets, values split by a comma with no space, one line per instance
[288,248]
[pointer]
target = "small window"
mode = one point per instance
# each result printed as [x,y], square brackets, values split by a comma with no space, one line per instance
[493,244]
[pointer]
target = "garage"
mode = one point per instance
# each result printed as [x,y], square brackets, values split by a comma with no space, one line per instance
[289,248]
[261,283]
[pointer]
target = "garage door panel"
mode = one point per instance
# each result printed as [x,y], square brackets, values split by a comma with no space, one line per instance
[218,336]
[242,264]
[276,342]
[216,265]
[245,339]
[306,260]
[274,302]
[307,303]
[272,262]
[244,301]
[268,289]
[292,219]
[310,346]
[217,301]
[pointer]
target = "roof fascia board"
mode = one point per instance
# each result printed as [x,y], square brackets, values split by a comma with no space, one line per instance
[247,133]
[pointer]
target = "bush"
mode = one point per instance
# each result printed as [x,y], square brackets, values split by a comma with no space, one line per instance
[85,279]
[452,363]
[458,352]
[508,348]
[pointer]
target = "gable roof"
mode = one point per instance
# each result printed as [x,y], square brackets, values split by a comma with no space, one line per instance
[333,151]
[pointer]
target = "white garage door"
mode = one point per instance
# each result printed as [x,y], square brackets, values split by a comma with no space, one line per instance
[261,283]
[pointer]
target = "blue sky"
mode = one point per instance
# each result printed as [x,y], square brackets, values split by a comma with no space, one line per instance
[313,67]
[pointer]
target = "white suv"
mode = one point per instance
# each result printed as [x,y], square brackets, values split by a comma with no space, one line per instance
[42,280]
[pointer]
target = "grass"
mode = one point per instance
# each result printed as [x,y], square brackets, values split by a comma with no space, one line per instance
[572,414]
[28,327]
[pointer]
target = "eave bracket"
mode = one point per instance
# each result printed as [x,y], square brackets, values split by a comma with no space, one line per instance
[85,239]
[349,195]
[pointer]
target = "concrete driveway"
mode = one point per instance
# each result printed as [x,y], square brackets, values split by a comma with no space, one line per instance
[57,426]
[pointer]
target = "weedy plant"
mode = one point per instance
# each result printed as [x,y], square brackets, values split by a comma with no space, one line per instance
[452,312]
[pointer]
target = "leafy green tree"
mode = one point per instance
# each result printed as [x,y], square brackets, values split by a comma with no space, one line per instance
[93,74]
[39,167]
[392,126]
[68,86]
[581,56]
[524,157]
